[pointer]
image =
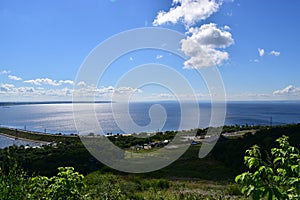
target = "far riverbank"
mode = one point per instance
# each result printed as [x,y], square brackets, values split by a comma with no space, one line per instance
[35,137]
[23,139]
[7,141]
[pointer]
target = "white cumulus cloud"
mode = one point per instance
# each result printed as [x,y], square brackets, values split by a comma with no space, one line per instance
[211,36]
[84,91]
[81,83]
[24,90]
[289,90]
[202,46]
[188,12]
[261,52]
[66,82]
[6,87]
[15,78]
[48,81]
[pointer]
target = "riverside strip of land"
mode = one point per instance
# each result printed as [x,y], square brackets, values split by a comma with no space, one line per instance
[35,136]
[46,138]
[24,139]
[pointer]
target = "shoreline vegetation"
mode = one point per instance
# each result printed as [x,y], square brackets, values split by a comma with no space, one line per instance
[188,177]
[24,139]
[44,138]
[37,137]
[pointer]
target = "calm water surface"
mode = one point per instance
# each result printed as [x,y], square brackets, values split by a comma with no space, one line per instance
[58,118]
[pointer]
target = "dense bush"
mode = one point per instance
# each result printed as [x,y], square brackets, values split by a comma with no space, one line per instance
[66,185]
[103,186]
[15,184]
[277,177]
[12,181]
[45,160]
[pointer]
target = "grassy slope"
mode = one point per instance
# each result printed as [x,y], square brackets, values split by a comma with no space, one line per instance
[223,163]
[212,175]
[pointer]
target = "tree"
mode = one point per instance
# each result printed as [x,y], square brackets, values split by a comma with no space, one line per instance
[66,185]
[275,178]
[12,181]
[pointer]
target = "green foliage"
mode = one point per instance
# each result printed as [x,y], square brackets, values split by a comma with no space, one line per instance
[276,178]
[66,185]
[38,187]
[103,186]
[39,136]
[45,160]
[128,141]
[231,152]
[12,181]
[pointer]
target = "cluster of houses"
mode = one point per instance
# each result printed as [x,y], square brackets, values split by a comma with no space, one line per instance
[193,140]
[151,145]
[40,145]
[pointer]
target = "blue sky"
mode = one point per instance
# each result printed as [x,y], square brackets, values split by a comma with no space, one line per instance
[44,43]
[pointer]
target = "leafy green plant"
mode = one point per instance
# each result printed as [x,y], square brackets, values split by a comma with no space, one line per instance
[103,186]
[38,187]
[278,178]
[12,180]
[66,185]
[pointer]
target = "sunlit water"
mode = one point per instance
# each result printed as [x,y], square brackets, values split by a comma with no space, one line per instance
[6,141]
[58,118]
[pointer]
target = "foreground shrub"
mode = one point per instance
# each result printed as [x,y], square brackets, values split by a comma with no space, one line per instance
[12,182]
[276,178]
[66,185]
[103,186]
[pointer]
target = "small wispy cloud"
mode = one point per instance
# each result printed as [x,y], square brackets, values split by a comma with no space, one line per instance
[262,52]
[255,60]
[4,72]
[274,53]
[15,78]
[146,23]
[81,83]
[159,57]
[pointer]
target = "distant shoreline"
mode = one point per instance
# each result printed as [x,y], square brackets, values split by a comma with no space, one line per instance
[23,139]
[48,102]
[36,136]
[11,103]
